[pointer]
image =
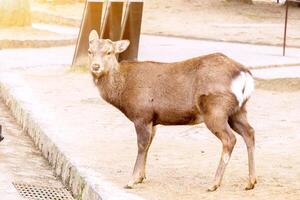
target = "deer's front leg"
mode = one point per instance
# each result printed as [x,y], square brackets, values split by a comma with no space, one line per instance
[145,133]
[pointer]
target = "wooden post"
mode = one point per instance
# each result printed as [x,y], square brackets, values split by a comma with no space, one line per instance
[1,137]
[286,22]
[115,26]
[91,20]
[111,26]
[131,29]
[285,26]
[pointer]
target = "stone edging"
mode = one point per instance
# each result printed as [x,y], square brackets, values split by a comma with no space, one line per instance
[24,107]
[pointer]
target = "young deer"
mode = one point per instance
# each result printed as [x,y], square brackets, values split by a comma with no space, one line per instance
[212,89]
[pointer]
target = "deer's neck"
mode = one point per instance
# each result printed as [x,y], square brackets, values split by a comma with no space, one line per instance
[111,87]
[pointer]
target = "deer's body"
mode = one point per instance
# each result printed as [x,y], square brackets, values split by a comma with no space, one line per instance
[213,89]
[169,93]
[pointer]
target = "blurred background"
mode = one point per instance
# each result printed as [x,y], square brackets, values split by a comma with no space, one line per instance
[56,22]
[65,106]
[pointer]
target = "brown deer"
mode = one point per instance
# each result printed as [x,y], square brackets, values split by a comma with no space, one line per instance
[212,89]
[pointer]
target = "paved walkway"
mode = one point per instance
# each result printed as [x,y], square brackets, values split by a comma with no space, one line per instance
[165,49]
[170,49]
[278,72]
[20,161]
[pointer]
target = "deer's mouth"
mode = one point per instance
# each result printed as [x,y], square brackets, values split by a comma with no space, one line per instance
[98,71]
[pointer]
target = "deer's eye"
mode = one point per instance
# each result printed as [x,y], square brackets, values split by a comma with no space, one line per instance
[109,53]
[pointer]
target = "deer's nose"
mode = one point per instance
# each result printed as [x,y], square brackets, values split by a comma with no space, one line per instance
[95,67]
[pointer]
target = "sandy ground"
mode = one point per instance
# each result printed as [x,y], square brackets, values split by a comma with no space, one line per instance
[182,159]
[260,23]
[282,84]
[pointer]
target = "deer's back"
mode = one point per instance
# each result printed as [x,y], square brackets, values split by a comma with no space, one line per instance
[172,90]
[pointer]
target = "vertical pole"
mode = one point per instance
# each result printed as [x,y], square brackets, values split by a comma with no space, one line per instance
[1,137]
[111,26]
[131,29]
[285,25]
[115,25]
[91,20]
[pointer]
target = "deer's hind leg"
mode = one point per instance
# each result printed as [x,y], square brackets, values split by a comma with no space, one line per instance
[216,111]
[239,124]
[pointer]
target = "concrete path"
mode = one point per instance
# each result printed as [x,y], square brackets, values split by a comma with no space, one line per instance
[33,58]
[20,161]
[170,49]
[65,30]
[165,49]
[278,72]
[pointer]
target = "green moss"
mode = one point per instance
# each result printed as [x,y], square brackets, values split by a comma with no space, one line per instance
[78,69]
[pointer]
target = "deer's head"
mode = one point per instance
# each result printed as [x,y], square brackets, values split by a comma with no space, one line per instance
[102,54]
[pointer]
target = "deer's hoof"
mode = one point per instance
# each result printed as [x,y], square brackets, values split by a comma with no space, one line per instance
[1,138]
[213,188]
[251,184]
[130,184]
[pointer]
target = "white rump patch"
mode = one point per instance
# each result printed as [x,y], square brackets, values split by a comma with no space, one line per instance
[242,87]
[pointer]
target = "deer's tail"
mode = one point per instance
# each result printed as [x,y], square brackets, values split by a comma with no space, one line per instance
[242,86]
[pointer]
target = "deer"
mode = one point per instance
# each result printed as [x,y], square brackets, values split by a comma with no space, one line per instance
[211,89]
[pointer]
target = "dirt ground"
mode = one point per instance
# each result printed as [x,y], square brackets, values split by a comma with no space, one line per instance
[260,23]
[279,85]
[182,165]
[182,159]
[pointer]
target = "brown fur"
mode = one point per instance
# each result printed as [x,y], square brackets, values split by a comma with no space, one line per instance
[187,92]
[169,93]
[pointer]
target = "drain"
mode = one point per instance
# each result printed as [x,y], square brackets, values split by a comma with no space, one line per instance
[36,192]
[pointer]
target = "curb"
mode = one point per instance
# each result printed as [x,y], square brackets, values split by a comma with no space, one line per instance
[63,168]
[8,44]
[273,66]
[27,110]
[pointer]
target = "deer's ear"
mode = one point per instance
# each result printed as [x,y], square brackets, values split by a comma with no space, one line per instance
[93,35]
[121,45]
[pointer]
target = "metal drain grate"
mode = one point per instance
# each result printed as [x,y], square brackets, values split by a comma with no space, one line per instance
[35,192]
